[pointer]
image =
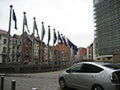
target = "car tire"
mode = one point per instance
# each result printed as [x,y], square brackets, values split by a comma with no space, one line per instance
[97,87]
[62,83]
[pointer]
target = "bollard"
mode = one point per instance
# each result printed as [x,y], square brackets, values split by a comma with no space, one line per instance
[34,89]
[2,83]
[13,85]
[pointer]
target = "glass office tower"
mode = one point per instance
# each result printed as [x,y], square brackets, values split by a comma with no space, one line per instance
[107,33]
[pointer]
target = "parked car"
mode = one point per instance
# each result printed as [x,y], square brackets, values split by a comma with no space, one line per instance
[91,76]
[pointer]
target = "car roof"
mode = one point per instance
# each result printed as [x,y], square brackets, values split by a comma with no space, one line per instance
[98,63]
[103,65]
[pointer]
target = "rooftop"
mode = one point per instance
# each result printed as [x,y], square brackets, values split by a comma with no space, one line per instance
[2,32]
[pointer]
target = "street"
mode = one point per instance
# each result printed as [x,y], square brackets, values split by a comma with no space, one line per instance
[41,81]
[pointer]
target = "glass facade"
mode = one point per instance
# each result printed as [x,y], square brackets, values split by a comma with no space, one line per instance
[107,33]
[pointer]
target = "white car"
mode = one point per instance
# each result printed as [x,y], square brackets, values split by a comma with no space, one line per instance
[91,76]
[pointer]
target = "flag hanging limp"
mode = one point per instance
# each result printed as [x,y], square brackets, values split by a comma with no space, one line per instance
[55,37]
[48,35]
[64,40]
[35,26]
[14,18]
[59,38]
[43,31]
[73,46]
[25,22]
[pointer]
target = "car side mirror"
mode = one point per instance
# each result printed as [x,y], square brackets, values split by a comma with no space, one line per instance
[69,71]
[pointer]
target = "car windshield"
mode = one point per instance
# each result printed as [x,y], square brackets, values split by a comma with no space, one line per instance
[113,66]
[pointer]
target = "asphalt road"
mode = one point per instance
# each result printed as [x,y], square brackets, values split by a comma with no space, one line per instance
[41,81]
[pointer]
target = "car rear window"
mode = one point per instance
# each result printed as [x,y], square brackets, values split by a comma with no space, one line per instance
[113,66]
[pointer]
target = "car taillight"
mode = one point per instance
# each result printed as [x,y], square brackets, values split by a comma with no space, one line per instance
[114,78]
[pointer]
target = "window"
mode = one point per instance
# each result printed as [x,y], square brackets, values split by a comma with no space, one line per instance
[4,41]
[18,46]
[0,37]
[75,68]
[113,66]
[13,47]
[16,42]
[4,49]
[89,68]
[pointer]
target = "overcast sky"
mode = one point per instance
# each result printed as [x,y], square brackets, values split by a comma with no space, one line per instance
[73,18]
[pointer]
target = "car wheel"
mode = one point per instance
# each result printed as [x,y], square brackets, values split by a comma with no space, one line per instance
[62,83]
[97,87]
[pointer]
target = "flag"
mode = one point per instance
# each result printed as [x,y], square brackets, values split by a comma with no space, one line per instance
[48,35]
[69,43]
[55,37]
[59,38]
[64,40]
[25,21]
[35,27]
[15,19]
[43,31]
[74,47]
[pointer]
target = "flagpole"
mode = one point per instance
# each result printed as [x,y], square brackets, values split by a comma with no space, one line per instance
[53,59]
[33,40]
[9,30]
[54,49]
[48,44]
[22,43]
[41,44]
[39,51]
[24,13]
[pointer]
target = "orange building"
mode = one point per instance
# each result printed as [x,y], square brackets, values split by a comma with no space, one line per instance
[62,48]
[83,51]
[62,53]
[82,54]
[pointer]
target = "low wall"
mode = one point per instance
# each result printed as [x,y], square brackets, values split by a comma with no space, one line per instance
[17,68]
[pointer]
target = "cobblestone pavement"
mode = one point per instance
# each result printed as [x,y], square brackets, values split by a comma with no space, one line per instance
[41,81]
